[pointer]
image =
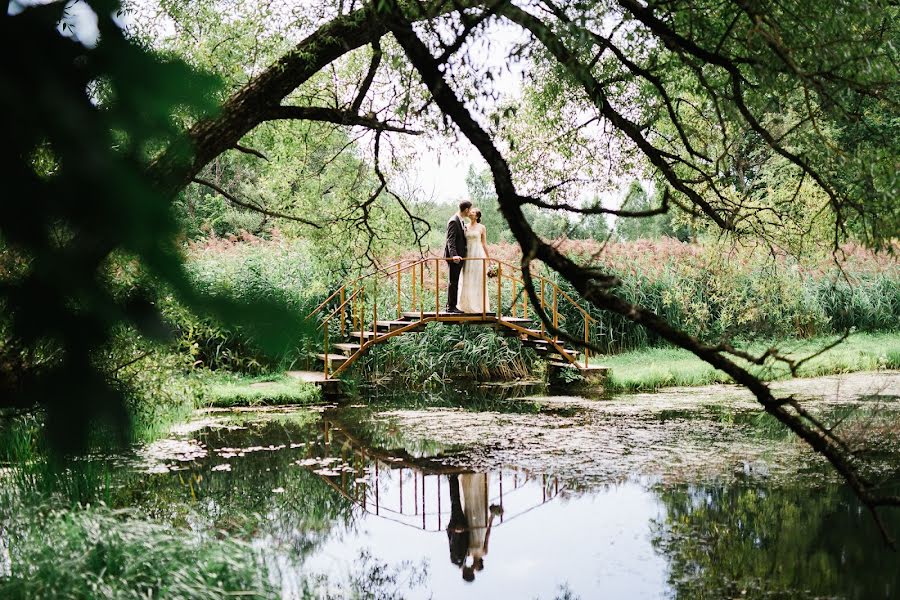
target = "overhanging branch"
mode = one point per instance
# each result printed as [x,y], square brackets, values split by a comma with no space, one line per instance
[237,202]
[332,115]
[594,286]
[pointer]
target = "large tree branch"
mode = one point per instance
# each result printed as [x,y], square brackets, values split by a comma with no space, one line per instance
[369,78]
[243,111]
[681,45]
[581,74]
[331,115]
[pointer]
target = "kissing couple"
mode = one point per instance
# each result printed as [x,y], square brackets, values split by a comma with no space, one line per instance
[466,239]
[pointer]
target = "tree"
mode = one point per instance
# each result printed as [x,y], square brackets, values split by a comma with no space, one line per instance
[686,90]
[652,227]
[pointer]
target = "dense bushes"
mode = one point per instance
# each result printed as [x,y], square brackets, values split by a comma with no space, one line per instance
[712,291]
[247,269]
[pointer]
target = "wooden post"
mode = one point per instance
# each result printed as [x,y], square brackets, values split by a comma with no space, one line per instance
[343,318]
[399,312]
[542,307]
[501,495]
[555,313]
[326,350]
[483,288]
[436,299]
[414,295]
[375,314]
[586,351]
[515,312]
[499,289]
[525,305]
[362,314]
[422,296]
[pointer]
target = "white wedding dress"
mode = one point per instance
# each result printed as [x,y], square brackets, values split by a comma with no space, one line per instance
[472,280]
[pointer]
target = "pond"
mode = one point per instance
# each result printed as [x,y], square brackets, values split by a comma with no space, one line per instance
[690,493]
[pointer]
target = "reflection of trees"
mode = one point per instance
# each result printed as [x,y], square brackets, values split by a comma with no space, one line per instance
[792,542]
[241,501]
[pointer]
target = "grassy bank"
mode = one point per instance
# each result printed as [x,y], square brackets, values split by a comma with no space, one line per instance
[224,390]
[654,368]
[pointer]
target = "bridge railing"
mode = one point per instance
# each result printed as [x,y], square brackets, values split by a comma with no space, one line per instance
[418,286]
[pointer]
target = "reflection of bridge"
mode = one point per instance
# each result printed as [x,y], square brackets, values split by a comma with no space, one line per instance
[414,491]
[409,294]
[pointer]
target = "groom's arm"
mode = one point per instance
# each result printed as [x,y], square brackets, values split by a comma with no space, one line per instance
[451,238]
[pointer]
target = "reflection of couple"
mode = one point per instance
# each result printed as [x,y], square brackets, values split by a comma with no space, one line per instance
[466,292]
[470,522]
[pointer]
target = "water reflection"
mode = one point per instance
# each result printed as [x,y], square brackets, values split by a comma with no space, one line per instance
[348,502]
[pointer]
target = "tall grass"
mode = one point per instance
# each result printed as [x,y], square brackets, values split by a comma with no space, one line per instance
[711,294]
[443,351]
[95,552]
[248,269]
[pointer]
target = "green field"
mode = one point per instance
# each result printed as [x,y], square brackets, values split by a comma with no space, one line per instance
[654,368]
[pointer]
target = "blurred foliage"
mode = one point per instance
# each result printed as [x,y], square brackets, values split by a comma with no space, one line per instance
[87,121]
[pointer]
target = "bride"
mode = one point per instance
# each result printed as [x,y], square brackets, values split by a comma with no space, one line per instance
[471,282]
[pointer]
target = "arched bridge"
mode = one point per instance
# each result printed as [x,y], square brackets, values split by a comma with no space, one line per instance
[404,297]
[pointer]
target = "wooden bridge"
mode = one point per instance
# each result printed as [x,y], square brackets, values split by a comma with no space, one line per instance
[404,297]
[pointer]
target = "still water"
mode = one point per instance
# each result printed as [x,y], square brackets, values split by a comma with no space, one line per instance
[687,494]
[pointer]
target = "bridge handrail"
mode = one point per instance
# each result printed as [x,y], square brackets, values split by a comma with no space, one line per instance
[342,305]
[360,278]
[405,265]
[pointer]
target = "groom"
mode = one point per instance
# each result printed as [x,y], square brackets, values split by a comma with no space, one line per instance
[454,251]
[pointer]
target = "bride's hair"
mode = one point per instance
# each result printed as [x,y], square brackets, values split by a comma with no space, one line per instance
[477,213]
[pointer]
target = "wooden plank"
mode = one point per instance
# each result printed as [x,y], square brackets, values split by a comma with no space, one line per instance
[391,325]
[334,358]
[365,334]
[516,320]
[347,348]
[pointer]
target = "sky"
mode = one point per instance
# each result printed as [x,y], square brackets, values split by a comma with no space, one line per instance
[441,166]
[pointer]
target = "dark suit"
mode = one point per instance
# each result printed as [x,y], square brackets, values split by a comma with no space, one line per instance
[458,527]
[454,246]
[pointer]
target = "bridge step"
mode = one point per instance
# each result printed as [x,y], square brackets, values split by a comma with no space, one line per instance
[347,348]
[517,320]
[365,335]
[329,386]
[392,325]
[414,315]
[334,360]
